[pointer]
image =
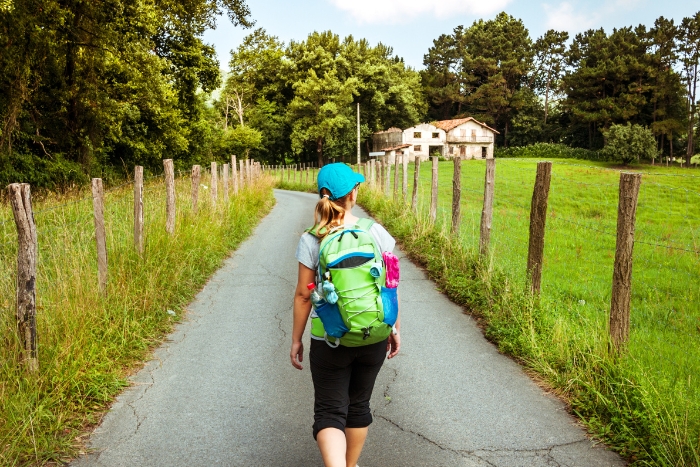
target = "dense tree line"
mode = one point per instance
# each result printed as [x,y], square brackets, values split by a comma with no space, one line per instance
[302,98]
[94,87]
[90,87]
[550,89]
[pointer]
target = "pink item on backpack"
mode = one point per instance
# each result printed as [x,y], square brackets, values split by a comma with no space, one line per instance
[392,270]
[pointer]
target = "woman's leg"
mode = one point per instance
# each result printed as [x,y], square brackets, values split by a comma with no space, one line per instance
[332,444]
[330,371]
[355,441]
[365,368]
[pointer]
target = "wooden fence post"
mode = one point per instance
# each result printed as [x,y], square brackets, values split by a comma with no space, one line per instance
[138,208]
[416,172]
[241,173]
[98,206]
[169,196]
[248,179]
[538,217]
[214,184]
[404,185]
[196,181]
[387,179]
[622,271]
[396,178]
[225,183]
[21,202]
[234,174]
[456,195]
[434,190]
[487,211]
[377,167]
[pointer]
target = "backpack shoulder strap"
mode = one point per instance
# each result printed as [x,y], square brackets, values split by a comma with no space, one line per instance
[365,223]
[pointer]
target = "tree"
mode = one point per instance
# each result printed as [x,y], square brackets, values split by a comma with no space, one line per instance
[106,85]
[548,64]
[441,79]
[319,109]
[628,143]
[690,59]
[480,71]
[259,85]
[609,79]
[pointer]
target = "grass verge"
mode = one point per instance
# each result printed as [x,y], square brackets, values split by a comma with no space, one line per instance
[89,344]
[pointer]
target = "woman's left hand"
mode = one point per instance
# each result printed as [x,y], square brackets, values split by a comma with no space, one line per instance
[393,344]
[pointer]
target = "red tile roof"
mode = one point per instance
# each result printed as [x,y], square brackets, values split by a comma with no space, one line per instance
[448,125]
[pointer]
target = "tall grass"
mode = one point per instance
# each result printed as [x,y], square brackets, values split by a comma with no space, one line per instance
[646,403]
[88,344]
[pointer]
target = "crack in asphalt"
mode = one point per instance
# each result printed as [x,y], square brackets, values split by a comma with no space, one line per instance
[280,322]
[481,454]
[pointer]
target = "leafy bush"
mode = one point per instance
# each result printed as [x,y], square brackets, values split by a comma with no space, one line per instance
[549,151]
[629,143]
[46,174]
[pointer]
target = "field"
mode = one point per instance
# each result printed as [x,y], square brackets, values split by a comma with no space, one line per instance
[89,344]
[646,403]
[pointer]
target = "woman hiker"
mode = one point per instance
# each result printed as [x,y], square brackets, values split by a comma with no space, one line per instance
[343,369]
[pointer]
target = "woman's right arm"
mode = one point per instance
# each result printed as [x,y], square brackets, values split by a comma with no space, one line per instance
[302,309]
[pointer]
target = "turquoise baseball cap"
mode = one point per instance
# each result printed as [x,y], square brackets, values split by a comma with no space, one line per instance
[339,179]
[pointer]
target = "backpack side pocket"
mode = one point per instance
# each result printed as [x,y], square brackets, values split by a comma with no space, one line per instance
[390,303]
[332,321]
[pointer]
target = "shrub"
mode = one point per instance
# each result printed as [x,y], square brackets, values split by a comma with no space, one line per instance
[549,151]
[629,143]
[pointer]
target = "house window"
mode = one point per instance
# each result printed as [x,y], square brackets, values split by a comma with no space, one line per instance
[436,135]
[416,148]
[473,135]
[463,132]
[462,150]
[452,149]
[416,134]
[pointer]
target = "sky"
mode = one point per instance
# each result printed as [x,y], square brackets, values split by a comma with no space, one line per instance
[409,26]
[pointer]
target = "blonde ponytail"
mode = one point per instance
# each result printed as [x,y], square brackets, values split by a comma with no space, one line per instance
[329,214]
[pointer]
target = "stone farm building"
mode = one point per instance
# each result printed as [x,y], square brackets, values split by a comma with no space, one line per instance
[464,137]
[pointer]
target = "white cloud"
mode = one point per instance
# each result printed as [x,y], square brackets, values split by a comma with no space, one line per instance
[403,11]
[563,17]
[566,17]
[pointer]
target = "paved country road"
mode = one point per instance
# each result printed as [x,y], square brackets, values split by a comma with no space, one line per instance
[221,390]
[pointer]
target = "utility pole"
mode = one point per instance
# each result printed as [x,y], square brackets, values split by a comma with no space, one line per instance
[359,160]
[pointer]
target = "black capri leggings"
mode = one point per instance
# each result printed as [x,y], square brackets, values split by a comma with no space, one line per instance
[343,381]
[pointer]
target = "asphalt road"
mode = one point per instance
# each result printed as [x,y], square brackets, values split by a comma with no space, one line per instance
[221,390]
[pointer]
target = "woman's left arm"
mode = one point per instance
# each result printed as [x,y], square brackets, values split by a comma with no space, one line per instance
[302,309]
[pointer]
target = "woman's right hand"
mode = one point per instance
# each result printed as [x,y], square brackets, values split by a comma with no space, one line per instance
[297,355]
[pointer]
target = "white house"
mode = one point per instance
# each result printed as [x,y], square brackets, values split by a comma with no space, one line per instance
[467,138]
[464,137]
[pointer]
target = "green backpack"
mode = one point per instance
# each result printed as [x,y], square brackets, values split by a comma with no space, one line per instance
[365,310]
